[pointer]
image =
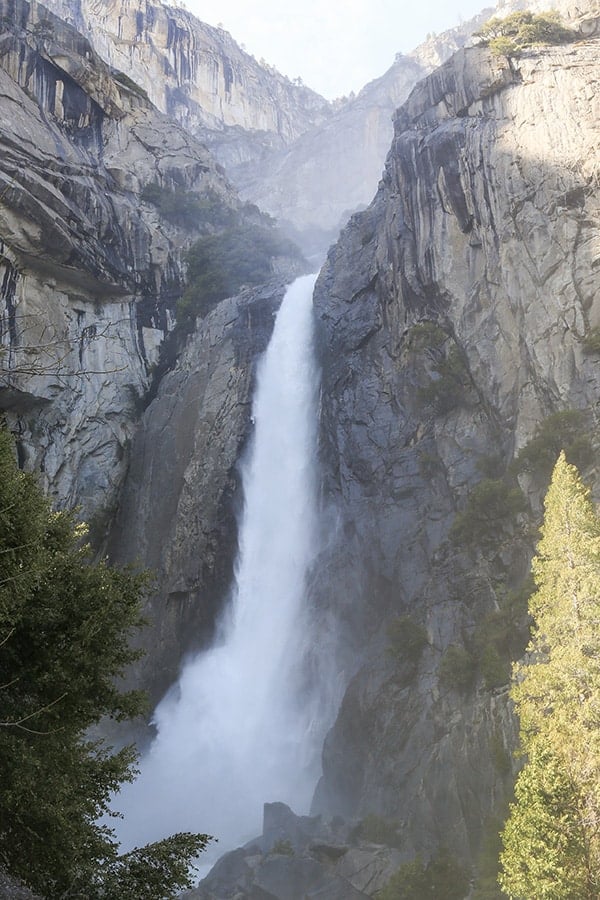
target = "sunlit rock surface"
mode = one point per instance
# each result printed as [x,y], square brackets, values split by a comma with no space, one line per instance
[487,226]
[88,272]
[192,71]
[307,162]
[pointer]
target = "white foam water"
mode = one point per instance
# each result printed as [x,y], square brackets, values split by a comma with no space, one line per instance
[238,730]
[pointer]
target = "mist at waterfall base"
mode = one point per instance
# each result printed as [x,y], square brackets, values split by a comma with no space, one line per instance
[238,730]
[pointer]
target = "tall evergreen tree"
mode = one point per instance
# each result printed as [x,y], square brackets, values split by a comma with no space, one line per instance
[64,641]
[552,837]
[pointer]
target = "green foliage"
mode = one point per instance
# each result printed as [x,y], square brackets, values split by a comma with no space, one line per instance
[377,830]
[447,389]
[188,209]
[591,340]
[443,878]
[457,668]
[546,852]
[426,335]
[491,466]
[220,264]
[486,885]
[65,626]
[283,848]
[407,639]
[566,430]
[500,755]
[429,464]
[517,31]
[502,636]
[491,508]
[494,667]
[551,840]
[160,870]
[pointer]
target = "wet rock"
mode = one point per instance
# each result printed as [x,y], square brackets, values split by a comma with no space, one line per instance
[177,508]
[300,856]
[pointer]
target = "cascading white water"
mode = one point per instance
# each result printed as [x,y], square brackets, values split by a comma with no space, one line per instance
[237,732]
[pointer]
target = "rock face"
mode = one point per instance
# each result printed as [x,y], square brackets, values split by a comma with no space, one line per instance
[300,856]
[195,73]
[89,272]
[453,317]
[305,161]
[300,158]
[177,510]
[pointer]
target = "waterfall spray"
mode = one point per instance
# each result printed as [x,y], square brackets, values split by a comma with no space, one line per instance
[236,731]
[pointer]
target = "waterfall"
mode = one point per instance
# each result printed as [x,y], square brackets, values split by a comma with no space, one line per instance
[238,731]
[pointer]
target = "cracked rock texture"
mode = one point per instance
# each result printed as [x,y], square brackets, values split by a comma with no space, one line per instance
[300,856]
[177,510]
[192,71]
[89,274]
[485,233]
[308,162]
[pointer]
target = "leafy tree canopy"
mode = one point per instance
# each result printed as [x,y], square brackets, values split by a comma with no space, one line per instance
[552,837]
[64,640]
[519,30]
[220,264]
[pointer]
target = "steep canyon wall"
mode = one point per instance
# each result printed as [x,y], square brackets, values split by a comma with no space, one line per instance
[453,314]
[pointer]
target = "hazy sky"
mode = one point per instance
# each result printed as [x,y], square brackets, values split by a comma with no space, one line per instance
[336,46]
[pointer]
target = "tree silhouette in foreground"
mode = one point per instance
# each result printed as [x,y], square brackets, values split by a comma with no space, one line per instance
[552,836]
[65,625]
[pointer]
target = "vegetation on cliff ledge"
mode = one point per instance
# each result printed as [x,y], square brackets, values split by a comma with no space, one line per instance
[510,35]
[64,640]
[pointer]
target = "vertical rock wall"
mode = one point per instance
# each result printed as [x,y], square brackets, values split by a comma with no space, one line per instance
[88,271]
[453,316]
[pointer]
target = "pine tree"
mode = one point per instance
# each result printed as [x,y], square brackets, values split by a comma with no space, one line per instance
[552,837]
[65,625]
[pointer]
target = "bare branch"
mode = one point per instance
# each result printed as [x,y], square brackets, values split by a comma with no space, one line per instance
[18,723]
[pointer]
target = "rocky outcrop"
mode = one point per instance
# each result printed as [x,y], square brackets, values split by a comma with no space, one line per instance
[177,510]
[305,161]
[300,856]
[90,272]
[195,73]
[333,169]
[453,317]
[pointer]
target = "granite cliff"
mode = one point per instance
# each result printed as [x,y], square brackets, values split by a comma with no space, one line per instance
[302,159]
[456,316]
[305,161]
[92,264]
[457,319]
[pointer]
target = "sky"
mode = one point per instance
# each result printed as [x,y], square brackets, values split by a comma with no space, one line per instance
[335,46]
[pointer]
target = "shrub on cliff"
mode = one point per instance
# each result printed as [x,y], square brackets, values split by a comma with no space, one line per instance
[64,640]
[220,264]
[407,639]
[492,507]
[510,35]
[442,878]
[565,430]
[450,385]
[188,209]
